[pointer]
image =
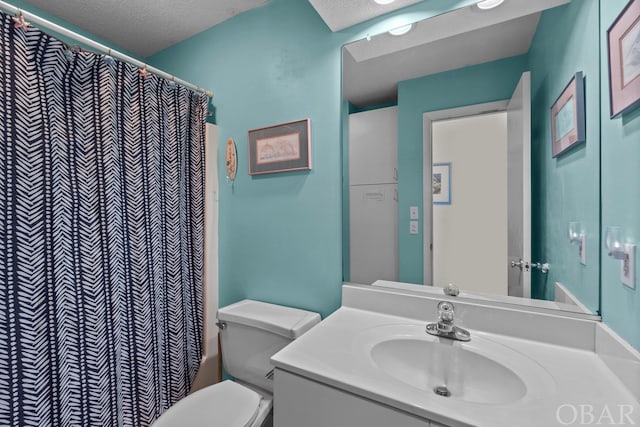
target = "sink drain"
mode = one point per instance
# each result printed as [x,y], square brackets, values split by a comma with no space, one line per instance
[442,390]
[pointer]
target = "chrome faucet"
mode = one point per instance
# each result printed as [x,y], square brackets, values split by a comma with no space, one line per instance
[444,327]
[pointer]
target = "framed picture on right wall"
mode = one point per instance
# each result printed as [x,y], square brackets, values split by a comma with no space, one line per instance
[568,117]
[623,40]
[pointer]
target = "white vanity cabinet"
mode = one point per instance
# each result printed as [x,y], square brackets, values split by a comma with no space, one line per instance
[365,366]
[303,402]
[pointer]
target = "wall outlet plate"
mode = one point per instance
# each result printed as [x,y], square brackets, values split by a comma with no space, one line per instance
[413,227]
[628,267]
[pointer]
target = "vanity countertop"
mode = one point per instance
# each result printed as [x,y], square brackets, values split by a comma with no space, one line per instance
[330,353]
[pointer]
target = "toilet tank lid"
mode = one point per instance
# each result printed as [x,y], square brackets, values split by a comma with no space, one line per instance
[286,321]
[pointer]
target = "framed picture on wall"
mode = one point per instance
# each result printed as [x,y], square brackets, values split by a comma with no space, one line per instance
[280,148]
[567,117]
[441,183]
[623,40]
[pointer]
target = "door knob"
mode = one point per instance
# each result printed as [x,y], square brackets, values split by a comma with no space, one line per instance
[517,264]
[524,265]
[544,267]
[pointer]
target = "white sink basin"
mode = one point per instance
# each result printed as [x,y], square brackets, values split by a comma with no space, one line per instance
[478,372]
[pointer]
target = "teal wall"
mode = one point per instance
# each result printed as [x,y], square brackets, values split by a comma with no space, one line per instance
[280,235]
[492,81]
[620,195]
[566,188]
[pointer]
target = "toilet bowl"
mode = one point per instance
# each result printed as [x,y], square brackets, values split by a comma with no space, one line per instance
[251,332]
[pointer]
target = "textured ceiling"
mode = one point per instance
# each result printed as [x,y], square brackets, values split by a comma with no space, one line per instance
[145,27]
[340,14]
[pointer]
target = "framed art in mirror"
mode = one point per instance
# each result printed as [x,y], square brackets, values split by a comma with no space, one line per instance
[623,40]
[568,117]
[441,183]
[280,148]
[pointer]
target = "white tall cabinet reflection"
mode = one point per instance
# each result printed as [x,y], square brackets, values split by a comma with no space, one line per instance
[373,195]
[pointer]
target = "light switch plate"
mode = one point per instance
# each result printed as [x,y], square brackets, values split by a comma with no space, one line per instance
[628,267]
[413,212]
[413,227]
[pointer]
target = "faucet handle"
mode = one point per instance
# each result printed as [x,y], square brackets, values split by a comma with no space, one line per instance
[451,290]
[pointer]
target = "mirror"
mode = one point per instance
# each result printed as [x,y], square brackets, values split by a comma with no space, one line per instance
[436,191]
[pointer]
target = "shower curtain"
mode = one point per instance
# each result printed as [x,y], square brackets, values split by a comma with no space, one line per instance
[101,228]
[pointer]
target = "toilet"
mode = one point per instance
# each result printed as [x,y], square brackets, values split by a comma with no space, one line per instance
[250,333]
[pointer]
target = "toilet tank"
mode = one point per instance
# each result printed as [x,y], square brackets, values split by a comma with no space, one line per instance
[253,332]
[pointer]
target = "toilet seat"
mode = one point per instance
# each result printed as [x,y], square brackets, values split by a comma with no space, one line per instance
[225,404]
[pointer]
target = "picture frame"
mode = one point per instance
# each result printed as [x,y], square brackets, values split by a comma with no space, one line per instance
[441,183]
[284,147]
[568,117]
[623,43]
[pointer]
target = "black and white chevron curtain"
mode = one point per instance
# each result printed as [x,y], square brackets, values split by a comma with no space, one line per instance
[101,237]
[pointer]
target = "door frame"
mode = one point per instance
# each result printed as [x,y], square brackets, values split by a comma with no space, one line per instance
[519,238]
[427,145]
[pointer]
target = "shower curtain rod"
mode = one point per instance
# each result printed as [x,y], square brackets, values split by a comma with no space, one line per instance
[41,22]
